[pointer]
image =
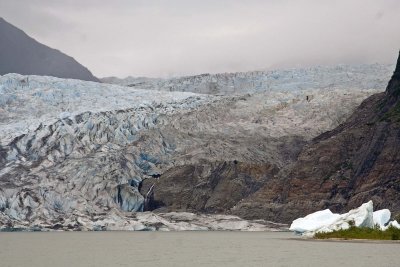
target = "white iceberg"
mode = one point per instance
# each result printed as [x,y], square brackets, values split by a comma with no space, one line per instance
[362,216]
[394,224]
[381,217]
[314,221]
[326,221]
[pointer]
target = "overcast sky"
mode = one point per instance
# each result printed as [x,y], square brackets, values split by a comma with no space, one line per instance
[183,37]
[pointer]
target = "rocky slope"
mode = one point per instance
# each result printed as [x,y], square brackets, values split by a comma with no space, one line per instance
[342,168]
[19,53]
[75,153]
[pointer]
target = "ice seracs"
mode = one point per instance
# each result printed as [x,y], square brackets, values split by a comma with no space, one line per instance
[291,80]
[326,221]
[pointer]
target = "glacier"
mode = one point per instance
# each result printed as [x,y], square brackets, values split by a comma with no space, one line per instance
[75,155]
[365,76]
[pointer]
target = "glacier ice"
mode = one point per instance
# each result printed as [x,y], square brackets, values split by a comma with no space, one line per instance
[314,221]
[363,76]
[326,221]
[394,224]
[381,217]
[69,144]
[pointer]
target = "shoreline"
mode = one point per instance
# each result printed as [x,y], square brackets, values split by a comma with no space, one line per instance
[338,240]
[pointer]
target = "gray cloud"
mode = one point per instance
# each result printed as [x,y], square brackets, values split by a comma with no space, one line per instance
[177,37]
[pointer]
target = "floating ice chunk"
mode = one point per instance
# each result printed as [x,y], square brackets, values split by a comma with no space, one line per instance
[381,217]
[326,221]
[394,224]
[362,216]
[314,221]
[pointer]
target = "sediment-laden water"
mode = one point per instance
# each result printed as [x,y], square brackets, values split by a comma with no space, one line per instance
[187,249]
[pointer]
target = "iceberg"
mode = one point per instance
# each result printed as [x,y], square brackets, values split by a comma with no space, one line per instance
[394,224]
[381,217]
[362,216]
[314,221]
[326,221]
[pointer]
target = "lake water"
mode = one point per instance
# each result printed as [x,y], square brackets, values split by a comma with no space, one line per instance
[187,249]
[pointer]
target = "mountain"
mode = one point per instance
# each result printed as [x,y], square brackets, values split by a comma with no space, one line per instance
[21,54]
[84,155]
[356,162]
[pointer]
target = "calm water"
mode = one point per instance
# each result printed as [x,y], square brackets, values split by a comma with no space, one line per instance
[187,249]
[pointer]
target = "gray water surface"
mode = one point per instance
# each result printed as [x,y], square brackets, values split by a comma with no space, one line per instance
[187,249]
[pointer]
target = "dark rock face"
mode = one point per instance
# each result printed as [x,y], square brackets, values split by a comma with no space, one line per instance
[393,90]
[211,188]
[21,54]
[354,163]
